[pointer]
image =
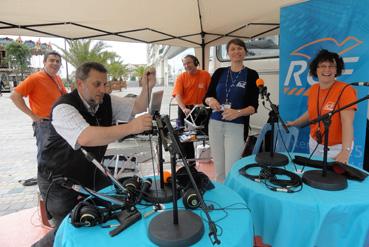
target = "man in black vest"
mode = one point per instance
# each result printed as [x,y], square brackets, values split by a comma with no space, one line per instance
[83,118]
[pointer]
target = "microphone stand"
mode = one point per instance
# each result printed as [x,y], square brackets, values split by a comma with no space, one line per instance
[187,227]
[272,158]
[327,180]
[161,193]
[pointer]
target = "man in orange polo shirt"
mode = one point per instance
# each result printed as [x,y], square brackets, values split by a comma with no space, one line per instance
[189,90]
[42,88]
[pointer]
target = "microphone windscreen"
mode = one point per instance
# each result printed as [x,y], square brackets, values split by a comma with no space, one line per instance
[167,176]
[260,82]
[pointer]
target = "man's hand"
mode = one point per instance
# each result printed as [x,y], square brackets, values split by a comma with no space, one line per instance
[186,111]
[36,118]
[149,78]
[141,124]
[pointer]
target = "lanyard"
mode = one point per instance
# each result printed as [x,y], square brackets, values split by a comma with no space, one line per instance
[228,88]
[56,83]
[319,109]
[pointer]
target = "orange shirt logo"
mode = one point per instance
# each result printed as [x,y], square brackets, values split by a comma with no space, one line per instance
[329,106]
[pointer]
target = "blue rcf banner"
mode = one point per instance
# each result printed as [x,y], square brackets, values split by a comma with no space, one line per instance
[340,26]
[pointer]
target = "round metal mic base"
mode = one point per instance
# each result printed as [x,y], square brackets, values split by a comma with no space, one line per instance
[265,158]
[332,181]
[188,231]
[158,194]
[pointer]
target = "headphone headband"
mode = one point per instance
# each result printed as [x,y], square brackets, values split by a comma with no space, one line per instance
[194,59]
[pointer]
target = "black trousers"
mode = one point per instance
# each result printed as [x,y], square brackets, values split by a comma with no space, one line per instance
[60,201]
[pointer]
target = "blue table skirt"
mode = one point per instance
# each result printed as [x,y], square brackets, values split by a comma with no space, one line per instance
[310,217]
[234,225]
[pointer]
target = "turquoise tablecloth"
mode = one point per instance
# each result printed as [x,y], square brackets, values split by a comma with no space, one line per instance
[234,225]
[310,217]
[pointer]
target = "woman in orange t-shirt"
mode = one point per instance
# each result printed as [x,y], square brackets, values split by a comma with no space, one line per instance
[325,96]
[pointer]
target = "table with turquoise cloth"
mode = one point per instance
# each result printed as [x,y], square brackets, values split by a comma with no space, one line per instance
[310,217]
[234,225]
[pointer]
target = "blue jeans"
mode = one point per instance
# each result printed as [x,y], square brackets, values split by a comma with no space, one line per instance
[41,130]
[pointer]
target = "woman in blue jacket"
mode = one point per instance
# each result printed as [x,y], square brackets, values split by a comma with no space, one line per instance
[233,97]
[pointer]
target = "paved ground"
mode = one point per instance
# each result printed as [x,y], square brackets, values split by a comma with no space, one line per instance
[18,154]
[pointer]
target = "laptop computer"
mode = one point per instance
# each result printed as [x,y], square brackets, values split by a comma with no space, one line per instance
[155,103]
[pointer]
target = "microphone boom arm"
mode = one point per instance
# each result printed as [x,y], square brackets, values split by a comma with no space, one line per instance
[276,111]
[329,114]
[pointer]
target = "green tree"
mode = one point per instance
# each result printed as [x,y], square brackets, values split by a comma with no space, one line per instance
[139,71]
[81,51]
[117,70]
[18,56]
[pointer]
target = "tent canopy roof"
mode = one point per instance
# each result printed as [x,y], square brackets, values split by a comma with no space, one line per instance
[186,23]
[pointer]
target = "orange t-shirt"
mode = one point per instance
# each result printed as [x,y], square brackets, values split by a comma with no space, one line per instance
[327,102]
[192,88]
[42,92]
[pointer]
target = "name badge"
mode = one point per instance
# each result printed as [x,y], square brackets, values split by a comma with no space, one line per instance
[226,106]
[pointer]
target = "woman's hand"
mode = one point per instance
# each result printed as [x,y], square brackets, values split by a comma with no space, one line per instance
[213,104]
[290,123]
[343,156]
[231,114]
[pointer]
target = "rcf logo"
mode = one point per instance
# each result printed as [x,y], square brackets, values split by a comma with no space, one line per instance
[298,69]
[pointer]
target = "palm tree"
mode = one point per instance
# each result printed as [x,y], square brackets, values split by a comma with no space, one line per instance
[18,56]
[117,70]
[139,72]
[81,51]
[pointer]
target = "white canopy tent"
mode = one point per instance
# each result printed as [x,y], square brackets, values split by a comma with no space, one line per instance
[185,23]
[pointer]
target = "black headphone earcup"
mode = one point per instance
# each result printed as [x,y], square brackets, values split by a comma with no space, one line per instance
[90,216]
[203,182]
[133,185]
[190,199]
[74,215]
[196,61]
[85,214]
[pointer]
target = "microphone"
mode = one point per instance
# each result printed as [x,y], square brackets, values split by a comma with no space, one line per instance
[262,88]
[145,187]
[366,84]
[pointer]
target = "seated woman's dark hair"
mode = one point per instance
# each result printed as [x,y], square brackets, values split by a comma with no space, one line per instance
[326,56]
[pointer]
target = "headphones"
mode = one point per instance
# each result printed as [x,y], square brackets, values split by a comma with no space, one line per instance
[133,186]
[136,188]
[88,214]
[269,176]
[194,60]
[190,198]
